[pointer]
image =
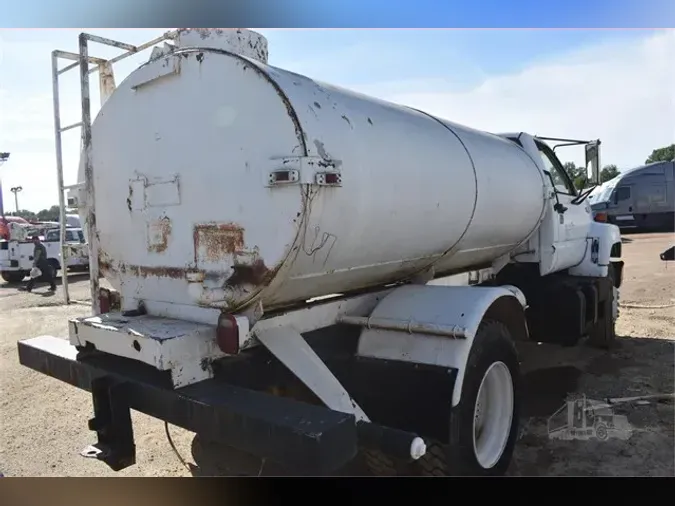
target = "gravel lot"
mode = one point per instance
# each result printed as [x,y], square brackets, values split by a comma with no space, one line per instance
[44,422]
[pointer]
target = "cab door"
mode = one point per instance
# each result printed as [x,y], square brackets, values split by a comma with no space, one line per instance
[563,232]
[623,205]
[569,223]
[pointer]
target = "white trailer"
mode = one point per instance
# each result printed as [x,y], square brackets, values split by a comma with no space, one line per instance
[306,273]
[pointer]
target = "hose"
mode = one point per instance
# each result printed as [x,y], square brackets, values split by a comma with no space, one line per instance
[173,447]
[638,306]
[182,460]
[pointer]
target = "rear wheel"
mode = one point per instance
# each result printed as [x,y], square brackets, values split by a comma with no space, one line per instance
[13,276]
[601,432]
[483,426]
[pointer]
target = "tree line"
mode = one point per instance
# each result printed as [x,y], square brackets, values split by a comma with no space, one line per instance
[51,214]
[578,175]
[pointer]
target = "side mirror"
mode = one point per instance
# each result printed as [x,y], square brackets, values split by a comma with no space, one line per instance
[593,160]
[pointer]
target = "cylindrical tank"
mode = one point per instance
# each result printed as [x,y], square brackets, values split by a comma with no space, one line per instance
[221,181]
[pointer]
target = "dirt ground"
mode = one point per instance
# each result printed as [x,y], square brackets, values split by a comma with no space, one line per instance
[44,422]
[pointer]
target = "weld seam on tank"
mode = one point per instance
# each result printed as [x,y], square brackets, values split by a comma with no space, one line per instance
[256,66]
[543,206]
[475,201]
[300,134]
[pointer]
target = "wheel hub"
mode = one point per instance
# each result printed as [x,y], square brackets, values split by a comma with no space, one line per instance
[493,415]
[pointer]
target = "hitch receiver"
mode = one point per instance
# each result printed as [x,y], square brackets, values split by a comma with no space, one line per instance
[112,424]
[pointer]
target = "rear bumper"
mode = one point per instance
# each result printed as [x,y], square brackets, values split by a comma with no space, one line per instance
[307,438]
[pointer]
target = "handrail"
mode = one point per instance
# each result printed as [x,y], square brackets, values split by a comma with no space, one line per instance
[82,60]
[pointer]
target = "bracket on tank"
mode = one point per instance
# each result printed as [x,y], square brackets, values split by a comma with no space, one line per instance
[312,170]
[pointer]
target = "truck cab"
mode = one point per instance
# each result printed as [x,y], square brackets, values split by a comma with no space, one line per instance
[78,254]
[561,241]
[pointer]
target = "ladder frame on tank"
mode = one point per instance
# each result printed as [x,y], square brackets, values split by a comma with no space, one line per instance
[104,67]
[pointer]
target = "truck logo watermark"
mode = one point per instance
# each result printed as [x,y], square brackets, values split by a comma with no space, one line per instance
[587,419]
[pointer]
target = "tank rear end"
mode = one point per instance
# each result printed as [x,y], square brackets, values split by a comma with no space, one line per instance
[183,214]
[221,181]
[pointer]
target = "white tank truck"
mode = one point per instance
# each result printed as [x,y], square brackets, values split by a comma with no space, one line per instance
[306,273]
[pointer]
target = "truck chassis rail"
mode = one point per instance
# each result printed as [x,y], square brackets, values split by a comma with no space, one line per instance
[304,437]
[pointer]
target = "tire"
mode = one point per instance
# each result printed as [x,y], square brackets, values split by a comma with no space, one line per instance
[601,432]
[603,335]
[493,349]
[380,464]
[13,276]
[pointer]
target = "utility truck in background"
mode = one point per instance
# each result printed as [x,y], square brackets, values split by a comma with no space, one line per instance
[16,256]
[307,274]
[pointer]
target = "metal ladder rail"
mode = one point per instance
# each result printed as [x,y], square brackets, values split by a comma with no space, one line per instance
[104,67]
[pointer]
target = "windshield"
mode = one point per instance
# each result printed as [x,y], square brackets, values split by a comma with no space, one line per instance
[603,192]
[559,177]
[71,235]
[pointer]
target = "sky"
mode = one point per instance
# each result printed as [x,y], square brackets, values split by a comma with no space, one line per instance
[616,85]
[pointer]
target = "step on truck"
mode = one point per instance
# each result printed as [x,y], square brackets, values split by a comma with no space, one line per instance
[309,274]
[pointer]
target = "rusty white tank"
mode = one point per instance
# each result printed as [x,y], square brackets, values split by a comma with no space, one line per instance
[221,181]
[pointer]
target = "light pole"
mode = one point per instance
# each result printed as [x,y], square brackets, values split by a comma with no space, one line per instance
[16,191]
[3,158]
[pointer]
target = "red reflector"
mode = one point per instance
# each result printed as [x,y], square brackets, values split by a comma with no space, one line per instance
[104,300]
[227,334]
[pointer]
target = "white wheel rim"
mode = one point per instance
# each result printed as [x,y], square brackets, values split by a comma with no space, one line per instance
[493,415]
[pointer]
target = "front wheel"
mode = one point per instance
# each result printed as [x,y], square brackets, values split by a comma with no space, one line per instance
[603,334]
[601,432]
[483,427]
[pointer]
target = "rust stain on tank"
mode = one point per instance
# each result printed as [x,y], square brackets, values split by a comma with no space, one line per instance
[213,241]
[157,272]
[144,271]
[105,263]
[254,274]
[158,235]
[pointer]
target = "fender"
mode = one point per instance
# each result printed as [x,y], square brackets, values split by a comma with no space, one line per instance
[608,240]
[462,308]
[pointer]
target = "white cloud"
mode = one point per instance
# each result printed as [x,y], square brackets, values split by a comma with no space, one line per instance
[26,110]
[622,92]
